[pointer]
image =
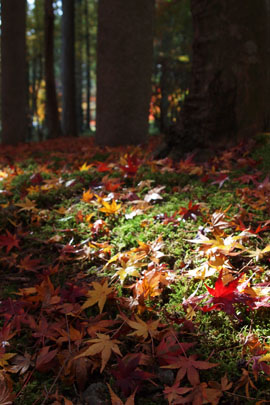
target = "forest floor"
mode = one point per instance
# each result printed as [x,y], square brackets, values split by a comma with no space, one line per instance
[128,280]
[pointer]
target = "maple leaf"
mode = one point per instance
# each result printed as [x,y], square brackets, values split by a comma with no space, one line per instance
[112,184]
[201,395]
[259,253]
[71,292]
[175,393]
[9,241]
[15,311]
[29,264]
[104,345]
[20,363]
[98,324]
[154,194]
[70,335]
[218,223]
[117,401]
[189,366]
[98,295]
[6,396]
[109,209]
[142,329]
[192,211]
[128,375]
[219,245]
[6,334]
[131,166]
[45,358]
[153,250]
[246,381]
[27,205]
[87,196]
[220,180]
[103,167]
[224,296]
[217,389]
[148,286]
[4,357]
[247,178]
[170,347]
[36,179]
[128,266]
[85,167]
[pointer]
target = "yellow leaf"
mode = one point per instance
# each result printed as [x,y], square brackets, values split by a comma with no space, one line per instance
[266,357]
[104,345]
[127,269]
[97,295]
[27,205]
[258,253]
[85,167]
[5,357]
[143,329]
[108,208]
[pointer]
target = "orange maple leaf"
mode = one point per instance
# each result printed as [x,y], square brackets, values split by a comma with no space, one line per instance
[87,196]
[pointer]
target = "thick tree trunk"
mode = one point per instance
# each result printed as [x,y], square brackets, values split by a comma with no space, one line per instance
[229,92]
[69,124]
[124,66]
[14,72]
[51,107]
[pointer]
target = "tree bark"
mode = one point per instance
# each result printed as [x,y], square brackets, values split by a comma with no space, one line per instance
[79,64]
[229,92]
[124,67]
[14,72]
[69,122]
[51,107]
[88,67]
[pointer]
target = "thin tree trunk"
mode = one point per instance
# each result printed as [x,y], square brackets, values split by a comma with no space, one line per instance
[124,67]
[79,63]
[34,88]
[52,115]
[88,67]
[14,72]
[69,124]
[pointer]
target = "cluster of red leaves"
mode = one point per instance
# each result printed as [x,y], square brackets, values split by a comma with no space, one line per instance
[82,326]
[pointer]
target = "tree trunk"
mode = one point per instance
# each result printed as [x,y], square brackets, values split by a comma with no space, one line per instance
[88,67]
[79,63]
[69,124]
[229,92]
[51,107]
[14,72]
[124,67]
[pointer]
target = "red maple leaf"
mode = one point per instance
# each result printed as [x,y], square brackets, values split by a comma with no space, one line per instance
[224,296]
[131,166]
[220,179]
[170,347]
[128,375]
[189,366]
[192,211]
[103,167]
[9,241]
